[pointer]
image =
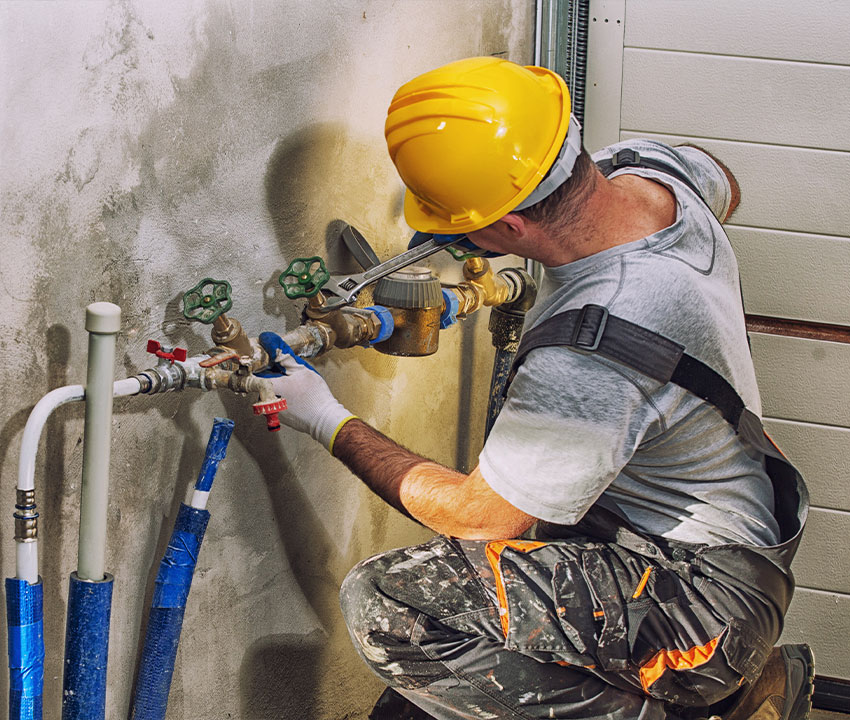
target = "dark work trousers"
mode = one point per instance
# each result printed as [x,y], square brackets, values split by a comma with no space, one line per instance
[572,628]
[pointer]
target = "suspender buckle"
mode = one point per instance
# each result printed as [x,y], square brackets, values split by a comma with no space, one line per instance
[625,158]
[590,327]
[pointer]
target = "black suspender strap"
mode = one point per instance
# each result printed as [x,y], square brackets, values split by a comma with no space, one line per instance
[592,329]
[632,158]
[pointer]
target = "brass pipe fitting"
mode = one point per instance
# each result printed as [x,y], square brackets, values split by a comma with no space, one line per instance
[482,287]
[496,290]
[311,339]
[240,382]
[470,297]
[26,516]
[229,333]
[346,326]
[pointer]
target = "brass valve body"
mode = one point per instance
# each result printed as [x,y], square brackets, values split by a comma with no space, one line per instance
[416,333]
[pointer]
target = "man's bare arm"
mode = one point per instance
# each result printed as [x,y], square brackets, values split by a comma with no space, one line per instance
[443,499]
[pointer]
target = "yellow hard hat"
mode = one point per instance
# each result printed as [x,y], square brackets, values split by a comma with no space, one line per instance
[472,139]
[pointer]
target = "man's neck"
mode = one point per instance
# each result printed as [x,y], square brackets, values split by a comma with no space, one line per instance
[617,212]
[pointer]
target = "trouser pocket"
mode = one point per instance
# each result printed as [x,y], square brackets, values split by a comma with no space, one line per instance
[612,646]
[562,603]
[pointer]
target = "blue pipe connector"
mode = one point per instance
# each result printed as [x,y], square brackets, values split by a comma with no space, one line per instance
[172,586]
[450,309]
[385,317]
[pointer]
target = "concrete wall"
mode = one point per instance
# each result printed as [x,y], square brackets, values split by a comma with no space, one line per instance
[144,146]
[765,87]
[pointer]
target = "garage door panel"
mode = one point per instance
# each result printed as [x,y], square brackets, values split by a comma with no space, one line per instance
[735,98]
[821,562]
[803,380]
[822,454]
[793,275]
[822,620]
[787,29]
[782,188]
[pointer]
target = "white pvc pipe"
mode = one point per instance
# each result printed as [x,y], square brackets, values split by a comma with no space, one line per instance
[42,411]
[35,424]
[538,30]
[198,499]
[103,321]
[26,561]
[26,555]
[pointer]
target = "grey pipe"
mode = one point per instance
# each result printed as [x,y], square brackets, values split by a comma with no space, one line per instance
[103,321]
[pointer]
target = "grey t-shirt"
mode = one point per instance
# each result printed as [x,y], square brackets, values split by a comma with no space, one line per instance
[576,425]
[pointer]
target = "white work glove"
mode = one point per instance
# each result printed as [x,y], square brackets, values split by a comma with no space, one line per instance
[310,405]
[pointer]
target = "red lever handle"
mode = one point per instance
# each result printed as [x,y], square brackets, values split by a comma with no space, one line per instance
[155,348]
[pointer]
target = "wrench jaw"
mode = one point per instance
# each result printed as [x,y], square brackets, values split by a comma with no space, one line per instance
[347,287]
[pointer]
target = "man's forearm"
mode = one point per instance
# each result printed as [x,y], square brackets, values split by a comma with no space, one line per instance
[443,499]
[378,461]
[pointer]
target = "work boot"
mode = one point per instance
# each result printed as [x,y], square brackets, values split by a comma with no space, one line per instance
[784,689]
[393,706]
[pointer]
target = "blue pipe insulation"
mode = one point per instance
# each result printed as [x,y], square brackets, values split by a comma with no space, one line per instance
[171,590]
[165,621]
[86,648]
[24,619]
[216,449]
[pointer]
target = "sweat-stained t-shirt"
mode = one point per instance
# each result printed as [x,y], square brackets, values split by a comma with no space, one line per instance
[577,425]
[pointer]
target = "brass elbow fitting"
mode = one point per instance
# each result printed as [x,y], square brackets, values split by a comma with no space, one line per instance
[481,287]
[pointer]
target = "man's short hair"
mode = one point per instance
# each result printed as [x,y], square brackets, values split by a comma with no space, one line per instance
[560,208]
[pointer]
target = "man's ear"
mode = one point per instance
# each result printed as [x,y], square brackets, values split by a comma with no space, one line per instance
[516,224]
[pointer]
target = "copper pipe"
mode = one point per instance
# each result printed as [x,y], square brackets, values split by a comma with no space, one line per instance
[798,328]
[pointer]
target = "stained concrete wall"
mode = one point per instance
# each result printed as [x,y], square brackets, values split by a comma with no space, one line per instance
[144,146]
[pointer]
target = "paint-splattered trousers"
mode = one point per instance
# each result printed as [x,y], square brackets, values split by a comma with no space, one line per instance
[564,629]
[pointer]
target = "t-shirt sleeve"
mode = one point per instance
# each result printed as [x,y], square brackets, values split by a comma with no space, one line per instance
[709,177]
[570,424]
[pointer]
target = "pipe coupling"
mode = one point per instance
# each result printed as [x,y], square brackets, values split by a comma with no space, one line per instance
[523,292]
[506,329]
[167,376]
[162,378]
[311,339]
[26,517]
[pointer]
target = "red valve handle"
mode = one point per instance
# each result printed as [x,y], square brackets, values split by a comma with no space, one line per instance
[270,409]
[218,359]
[155,348]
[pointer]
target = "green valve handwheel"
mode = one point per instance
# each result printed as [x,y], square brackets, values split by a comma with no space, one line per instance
[304,277]
[207,300]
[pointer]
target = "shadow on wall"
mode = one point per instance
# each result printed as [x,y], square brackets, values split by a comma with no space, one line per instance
[315,173]
[292,675]
[279,675]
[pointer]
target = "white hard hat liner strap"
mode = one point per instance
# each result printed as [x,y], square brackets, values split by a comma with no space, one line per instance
[561,169]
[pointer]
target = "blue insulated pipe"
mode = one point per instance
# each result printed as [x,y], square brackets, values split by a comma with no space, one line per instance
[86,648]
[173,582]
[26,648]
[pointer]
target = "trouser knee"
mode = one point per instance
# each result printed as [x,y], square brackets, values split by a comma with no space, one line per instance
[377,623]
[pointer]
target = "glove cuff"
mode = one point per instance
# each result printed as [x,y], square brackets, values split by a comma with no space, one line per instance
[329,424]
[336,432]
